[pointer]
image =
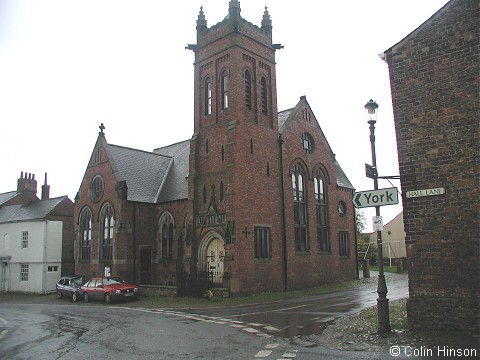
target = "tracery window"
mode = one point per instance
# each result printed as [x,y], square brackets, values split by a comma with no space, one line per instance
[108,226]
[323,241]
[167,231]
[85,234]
[299,208]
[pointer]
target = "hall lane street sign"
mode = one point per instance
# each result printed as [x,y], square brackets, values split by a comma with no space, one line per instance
[378,197]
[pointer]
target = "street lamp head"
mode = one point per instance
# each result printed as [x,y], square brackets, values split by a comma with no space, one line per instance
[371,109]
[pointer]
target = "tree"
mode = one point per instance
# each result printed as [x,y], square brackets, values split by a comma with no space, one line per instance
[360,221]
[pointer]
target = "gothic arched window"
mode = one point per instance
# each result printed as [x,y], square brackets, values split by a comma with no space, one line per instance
[323,240]
[225,86]
[299,208]
[166,226]
[85,234]
[108,225]
[208,96]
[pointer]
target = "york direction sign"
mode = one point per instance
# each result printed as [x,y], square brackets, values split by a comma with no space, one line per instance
[378,197]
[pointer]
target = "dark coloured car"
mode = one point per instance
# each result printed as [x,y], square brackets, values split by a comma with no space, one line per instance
[69,286]
[108,288]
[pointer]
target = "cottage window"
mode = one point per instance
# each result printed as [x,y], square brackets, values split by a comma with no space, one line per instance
[24,239]
[23,272]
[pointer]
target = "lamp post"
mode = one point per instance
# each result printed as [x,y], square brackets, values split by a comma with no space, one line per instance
[371,108]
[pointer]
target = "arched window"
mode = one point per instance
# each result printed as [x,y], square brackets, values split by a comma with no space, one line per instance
[248,89]
[208,96]
[166,226]
[85,234]
[323,240]
[263,92]
[108,226]
[225,85]
[299,208]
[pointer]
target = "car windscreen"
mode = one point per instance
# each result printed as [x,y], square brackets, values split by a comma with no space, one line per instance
[112,281]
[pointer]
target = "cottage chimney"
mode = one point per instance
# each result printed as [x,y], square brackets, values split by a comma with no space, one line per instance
[27,183]
[27,188]
[45,189]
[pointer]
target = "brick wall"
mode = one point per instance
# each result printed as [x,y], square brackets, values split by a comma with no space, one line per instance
[434,80]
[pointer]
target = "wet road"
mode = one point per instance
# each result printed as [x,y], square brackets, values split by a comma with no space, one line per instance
[310,315]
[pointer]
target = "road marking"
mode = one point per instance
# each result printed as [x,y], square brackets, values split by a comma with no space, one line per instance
[271,346]
[263,353]
[3,333]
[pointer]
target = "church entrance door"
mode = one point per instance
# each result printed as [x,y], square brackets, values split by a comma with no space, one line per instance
[215,257]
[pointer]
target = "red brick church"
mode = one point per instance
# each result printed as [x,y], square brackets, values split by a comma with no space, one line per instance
[255,200]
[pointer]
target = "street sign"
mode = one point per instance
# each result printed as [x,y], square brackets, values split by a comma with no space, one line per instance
[424,192]
[378,197]
[370,171]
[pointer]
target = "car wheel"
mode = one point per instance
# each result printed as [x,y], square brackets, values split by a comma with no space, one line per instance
[60,295]
[108,300]
[74,297]
[86,297]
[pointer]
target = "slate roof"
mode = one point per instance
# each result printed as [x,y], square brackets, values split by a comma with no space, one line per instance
[4,197]
[36,210]
[175,186]
[143,171]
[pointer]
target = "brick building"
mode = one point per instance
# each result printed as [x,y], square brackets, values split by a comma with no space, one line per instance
[434,77]
[255,199]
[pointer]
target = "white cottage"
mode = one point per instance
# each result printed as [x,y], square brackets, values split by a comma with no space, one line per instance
[34,238]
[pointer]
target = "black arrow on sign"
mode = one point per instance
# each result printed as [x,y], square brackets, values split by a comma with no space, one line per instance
[356,200]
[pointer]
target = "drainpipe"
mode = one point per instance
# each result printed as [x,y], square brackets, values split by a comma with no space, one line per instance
[44,272]
[284,226]
[134,241]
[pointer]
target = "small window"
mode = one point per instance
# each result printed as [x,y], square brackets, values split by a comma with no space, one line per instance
[342,209]
[52,268]
[223,153]
[206,146]
[268,168]
[343,243]
[307,143]
[251,146]
[222,195]
[24,239]
[263,249]
[96,188]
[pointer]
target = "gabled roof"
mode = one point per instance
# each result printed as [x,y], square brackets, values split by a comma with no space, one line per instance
[36,210]
[286,117]
[175,185]
[4,197]
[143,171]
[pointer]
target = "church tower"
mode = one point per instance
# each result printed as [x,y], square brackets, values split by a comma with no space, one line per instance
[234,175]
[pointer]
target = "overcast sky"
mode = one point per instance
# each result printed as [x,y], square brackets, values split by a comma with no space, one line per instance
[66,66]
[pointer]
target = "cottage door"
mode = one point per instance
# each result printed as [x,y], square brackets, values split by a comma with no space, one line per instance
[215,257]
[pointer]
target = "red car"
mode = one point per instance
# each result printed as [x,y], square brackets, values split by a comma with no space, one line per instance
[108,288]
